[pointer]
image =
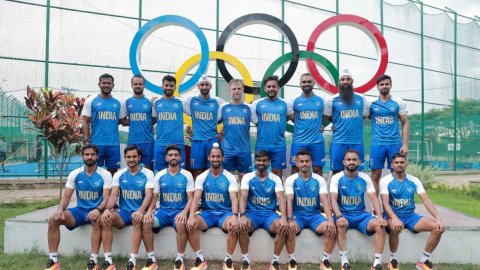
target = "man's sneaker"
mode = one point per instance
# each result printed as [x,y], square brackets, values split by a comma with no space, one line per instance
[325,265]
[245,265]
[151,265]
[228,264]
[274,266]
[51,265]
[91,265]
[200,265]
[179,265]
[345,266]
[393,265]
[376,267]
[107,266]
[131,266]
[427,265]
[292,265]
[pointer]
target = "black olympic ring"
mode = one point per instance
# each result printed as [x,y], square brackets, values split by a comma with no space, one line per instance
[267,20]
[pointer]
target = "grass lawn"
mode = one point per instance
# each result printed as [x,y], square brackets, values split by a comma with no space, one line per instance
[38,260]
[456,200]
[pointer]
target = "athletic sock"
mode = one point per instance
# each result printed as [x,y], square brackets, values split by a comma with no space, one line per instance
[53,257]
[424,256]
[343,257]
[108,257]
[180,257]
[326,256]
[274,258]
[393,255]
[291,257]
[151,255]
[199,254]
[245,258]
[378,259]
[94,257]
[133,258]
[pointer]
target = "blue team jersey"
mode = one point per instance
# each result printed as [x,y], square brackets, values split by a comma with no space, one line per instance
[105,114]
[216,190]
[401,193]
[169,114]
[205,114]
[132,187]
[306,193]
[351,192]
[262,195]
[236,126]
[89,188]
[272,121]
[139,112]
[347,119]
[385,116]
[173,188]
[308,119]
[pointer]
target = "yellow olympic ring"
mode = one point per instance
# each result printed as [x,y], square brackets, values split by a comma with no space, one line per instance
[192,61]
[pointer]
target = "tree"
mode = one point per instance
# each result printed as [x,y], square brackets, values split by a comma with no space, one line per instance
[56,115]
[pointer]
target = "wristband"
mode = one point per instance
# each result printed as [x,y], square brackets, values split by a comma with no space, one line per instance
[242,214]
[234,214]
[289,218]
[100,209]
[339,216]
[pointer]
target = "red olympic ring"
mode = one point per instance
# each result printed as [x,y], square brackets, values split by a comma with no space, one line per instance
[365,26]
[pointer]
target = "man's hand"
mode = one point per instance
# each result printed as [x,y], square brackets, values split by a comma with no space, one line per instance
[181,218]
[59,214]
[137,217]
[93,215]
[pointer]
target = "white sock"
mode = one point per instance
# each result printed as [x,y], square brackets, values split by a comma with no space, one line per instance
[326,256]
[393,255]
[245,258]
[378,259]
[53,257]
[151,255]
[274,258]
[291,257]
[94,257]
[180,256]
[199,255]
[424,256]
[133,258]
[108,257]
[343,256]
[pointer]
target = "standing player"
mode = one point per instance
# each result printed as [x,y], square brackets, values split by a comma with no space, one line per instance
[385,112]
[272,113]
[92,187]
[307,133]
[260,192]
[168,114]
[205,112]
[347,197]
[236,118]
[102,114]
[218,190]
[397,190]
[346,110]
[175,186]
[139,112]
[306,192]
[132,187]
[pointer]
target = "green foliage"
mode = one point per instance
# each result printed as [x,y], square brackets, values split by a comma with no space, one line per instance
[425,174]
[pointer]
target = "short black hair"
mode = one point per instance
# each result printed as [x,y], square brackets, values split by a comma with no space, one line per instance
[271,78]
[213,147]
[105,76]
[351,151]
[89,146]
[131,148]
[399,155]
[383,77]
[169,78]
[261,153]
[137,76]
[304,152]
[172,147]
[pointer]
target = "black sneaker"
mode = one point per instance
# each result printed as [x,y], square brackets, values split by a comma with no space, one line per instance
[91,265]
[228,264]
[107,266]
[427,265]
[376,267]
[130,265]
[345,266]
[199,264]
[274,266]
[326,265]
[393,265]
[179,265]
[51,265]
[292,265]
[151,264]
[245,265]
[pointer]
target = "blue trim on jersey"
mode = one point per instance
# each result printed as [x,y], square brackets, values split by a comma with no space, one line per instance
[261,195]
[169,114]
[105,117]
[204,113]
[131,190]
[347,120]
[401,196]
[139,112]
[215,195]
[89,189]
[308,119]
[236,128]
[272,121]
[306,195]
[173,191]
[385,126]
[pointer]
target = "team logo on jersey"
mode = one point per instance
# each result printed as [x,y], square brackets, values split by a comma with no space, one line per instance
[394,191]
[211,105]
[244,110]
[145,106]
[163,184]
[99,104]
[130,106]
[357,102]
[140,182]
[180,185]
[263,106]
[313,188]
[175,105]
[392,109]
[317,104]
[114,105]
[343,187]
[375,109]
[80,182]
[268,190]
[297,188]
[159,105]
[359,187]
[300,104]
[227,110]
[410,190]
[340,103]
[196,104]
[124,181]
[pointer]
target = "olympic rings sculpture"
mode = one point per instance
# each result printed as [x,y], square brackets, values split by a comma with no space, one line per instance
[292,57]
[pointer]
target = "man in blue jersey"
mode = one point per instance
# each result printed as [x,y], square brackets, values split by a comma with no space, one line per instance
[398,190]
[132,187]
[306,192]
[385,111]
[346,110]
[236,118]
[205,112]
[260,193]
[218,190]
[272,113]
[168,114]
[307,133]
[175,186]
[347,198]
[139,113]
[92,187]
[102,114]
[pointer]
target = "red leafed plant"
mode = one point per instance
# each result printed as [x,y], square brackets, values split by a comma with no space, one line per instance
[57,117]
